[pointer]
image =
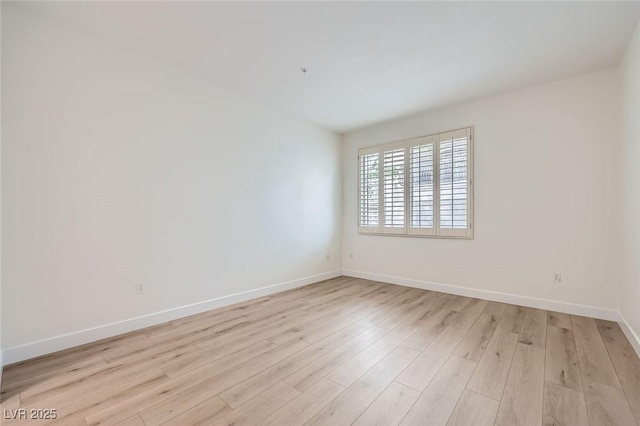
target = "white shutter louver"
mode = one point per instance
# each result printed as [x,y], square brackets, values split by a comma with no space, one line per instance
[422,183]
[393,157]
[453,160]
[369,190]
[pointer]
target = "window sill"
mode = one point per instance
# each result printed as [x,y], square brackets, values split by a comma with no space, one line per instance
[442,237]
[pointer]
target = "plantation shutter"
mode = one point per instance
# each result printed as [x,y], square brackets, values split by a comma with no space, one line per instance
[393,188]
[419,187]
[422,183]
[454,194]
[369,190]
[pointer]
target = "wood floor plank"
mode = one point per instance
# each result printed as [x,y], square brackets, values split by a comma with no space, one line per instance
[201,414]
[68,357]
[65,379]
[427,332]
[426,366]
[457,303]
[11,402]
[390,407]
[132,352]
[474,409]
[409,310]
[247,389]
[563,406]
[216,364]
[470,314]
[76,409]
[625,361]
[176,405]
[393,307]
[132,421]
[351,403]
[490,375]
[350,371]
[91,381]
[327,312]
[302,331]
[198,379]
[303,407]
[222,346]
[495,308]
[534,329]
[307,376]
[474,343]
[595,364]
[436,404]
[298,308]
[424,311]
[357,327]
[236,310]
[561,365]
[512,319]
[8,409]
[352,324]
[260,407]
[558,319]
[522,400]
[607,405]
[326,308]
[311,315]
[102,383]
[18,384]
[397,296]
[169,329]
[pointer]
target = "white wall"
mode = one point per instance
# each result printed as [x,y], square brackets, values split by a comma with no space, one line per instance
[630,288]
[545,196]
[1,358]
[118,169]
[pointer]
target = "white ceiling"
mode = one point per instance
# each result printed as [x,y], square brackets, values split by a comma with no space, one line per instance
[368,61]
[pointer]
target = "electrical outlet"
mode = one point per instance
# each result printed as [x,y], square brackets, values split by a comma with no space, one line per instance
[557,277]
[328,258]
[139,288]
[351,256]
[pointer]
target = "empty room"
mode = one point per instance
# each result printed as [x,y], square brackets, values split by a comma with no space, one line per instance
[320,213]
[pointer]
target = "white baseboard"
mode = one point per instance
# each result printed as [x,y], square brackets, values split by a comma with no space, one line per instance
[65,341]
[632,336]
[532,302]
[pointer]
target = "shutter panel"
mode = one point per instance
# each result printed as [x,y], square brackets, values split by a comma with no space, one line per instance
[369,190]
[422,184]
[454,183]
[393,188]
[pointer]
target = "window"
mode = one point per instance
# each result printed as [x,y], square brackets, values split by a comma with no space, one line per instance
[418,187]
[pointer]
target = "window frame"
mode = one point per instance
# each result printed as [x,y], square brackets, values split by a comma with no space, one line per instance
[408,230]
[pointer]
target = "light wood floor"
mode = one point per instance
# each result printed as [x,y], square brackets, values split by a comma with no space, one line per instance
[344,351]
